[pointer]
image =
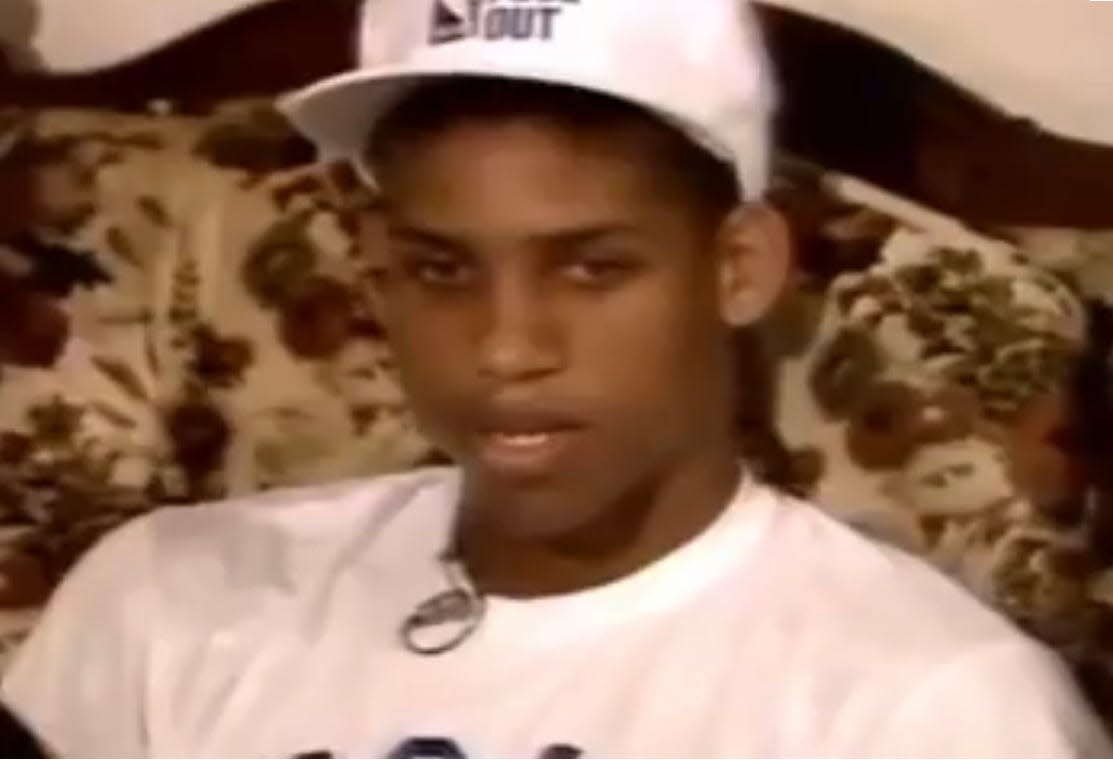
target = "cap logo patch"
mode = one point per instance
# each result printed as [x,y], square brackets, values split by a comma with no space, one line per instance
[455,20]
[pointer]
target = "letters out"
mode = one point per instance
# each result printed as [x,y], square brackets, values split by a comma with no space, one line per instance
[517,19]
[519,23]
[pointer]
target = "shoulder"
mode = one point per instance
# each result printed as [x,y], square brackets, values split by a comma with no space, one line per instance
[315,513]
[954,676]
[178,555]
[885,598]
[277,535]
[174,577]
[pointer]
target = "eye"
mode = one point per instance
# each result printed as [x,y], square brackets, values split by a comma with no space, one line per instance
[599,270]
[435,270]
[441,272]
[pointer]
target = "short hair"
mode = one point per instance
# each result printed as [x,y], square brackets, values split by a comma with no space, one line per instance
[704,181]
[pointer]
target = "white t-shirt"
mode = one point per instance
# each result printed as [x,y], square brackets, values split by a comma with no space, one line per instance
[269,627]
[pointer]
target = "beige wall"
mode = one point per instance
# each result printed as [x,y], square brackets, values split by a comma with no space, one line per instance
[1051,60]
[84,34]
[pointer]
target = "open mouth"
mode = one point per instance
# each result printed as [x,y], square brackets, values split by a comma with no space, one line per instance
[526,444]
[522,441]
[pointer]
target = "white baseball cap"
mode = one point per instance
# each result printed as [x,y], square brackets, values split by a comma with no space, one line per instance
[698,64]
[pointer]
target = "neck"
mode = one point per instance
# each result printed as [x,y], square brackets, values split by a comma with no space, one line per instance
[652,520]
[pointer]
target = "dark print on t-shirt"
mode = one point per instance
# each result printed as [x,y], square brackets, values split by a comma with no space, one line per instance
[446,749]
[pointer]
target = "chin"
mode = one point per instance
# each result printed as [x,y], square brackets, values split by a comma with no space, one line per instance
[529,511]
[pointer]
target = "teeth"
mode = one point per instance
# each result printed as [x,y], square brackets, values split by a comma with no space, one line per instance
[522,440]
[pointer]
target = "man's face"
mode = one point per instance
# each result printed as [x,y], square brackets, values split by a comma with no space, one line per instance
[556,318]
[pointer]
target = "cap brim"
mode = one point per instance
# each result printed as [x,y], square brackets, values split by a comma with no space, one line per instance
[339,114]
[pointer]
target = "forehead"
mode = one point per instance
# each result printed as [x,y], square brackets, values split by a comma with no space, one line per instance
[521,175]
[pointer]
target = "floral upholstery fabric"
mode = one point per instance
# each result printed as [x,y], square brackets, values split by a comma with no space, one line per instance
[183,316]
[179,320]
[955,395]
[939,387]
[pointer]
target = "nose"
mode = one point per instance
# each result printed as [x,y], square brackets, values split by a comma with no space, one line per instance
[520,339]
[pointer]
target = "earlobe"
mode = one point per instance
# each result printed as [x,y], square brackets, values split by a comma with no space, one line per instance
[755,259]
[376,279]
[372,244]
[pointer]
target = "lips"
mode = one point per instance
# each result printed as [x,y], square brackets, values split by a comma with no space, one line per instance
[525,443]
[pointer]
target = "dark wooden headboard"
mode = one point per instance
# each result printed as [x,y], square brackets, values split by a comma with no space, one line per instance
[849,103]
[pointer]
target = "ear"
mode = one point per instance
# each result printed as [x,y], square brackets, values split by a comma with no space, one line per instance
[754,255]
[371,240]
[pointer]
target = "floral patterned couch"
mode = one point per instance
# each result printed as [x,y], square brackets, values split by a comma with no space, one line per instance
[183,316]
[180,319]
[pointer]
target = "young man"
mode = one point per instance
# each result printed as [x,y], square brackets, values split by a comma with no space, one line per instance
[573,227]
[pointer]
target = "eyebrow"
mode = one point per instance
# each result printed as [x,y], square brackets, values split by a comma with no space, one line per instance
[570,237]
[423,236]
[581,235]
